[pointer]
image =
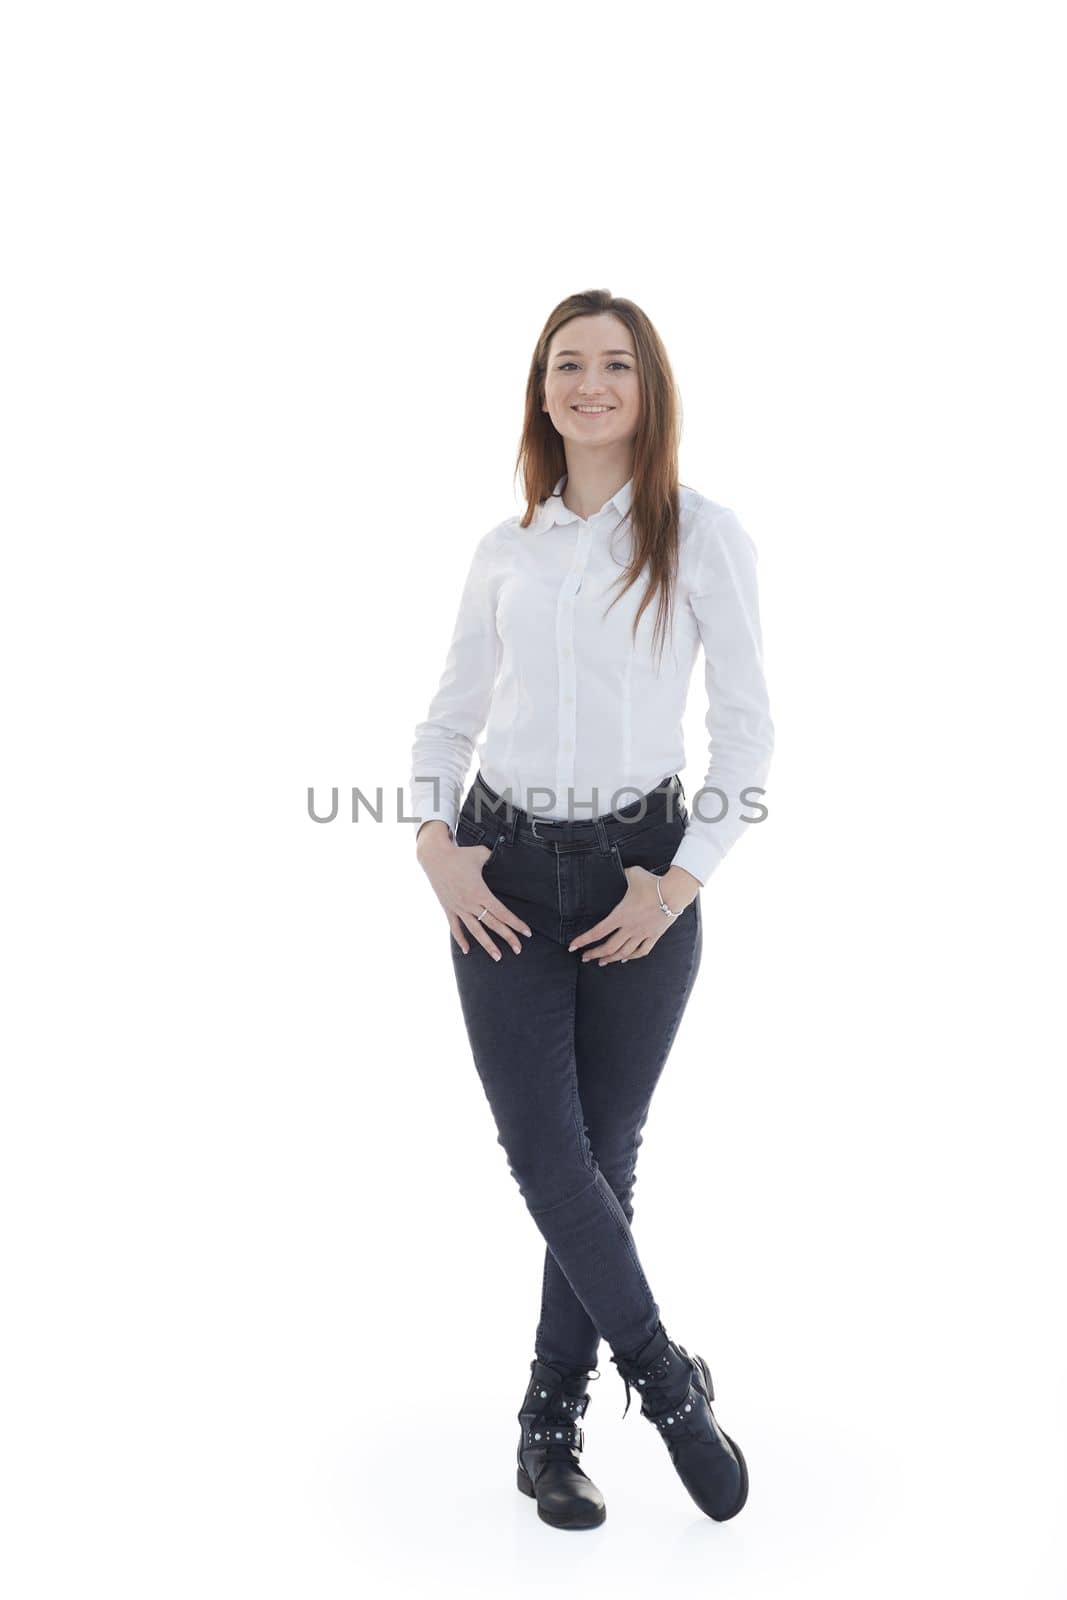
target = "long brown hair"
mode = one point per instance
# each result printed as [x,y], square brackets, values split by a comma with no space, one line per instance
[653,509]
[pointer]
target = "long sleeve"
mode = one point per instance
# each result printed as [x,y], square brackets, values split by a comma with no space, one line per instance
[445,741]
[741,734]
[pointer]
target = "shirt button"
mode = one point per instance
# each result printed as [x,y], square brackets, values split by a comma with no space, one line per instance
[568,744]
[566,651]
[568,699]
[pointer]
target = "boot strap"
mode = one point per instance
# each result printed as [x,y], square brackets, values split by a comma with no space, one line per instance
[690,1418]
[565,1406]
[539,1432]
[657,1371]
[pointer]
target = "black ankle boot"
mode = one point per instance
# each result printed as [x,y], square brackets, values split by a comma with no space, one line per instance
[548,1449]
[676,1395]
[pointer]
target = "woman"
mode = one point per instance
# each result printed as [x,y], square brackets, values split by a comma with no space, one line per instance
[573,854]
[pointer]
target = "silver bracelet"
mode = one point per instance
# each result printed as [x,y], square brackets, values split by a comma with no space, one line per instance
[667,912]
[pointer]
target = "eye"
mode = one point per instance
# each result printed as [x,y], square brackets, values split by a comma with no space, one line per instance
[623,364]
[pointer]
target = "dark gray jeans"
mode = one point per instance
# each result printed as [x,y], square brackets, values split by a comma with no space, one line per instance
[570,1053]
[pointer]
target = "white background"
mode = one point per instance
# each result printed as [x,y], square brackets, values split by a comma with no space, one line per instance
[273,278]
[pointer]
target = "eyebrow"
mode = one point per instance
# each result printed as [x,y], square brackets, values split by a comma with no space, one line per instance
[603,353]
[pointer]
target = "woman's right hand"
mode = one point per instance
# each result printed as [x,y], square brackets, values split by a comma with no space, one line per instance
[455,871]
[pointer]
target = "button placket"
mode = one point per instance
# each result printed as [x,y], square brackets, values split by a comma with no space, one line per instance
[567,709]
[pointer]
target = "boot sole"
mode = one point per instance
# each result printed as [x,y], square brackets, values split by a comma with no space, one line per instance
[736,1448]
[526,1486]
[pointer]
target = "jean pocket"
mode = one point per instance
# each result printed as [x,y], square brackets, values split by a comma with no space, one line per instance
[468,832]
[651,848]
[494,855]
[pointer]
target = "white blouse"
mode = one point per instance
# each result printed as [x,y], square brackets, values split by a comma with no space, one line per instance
[579,719]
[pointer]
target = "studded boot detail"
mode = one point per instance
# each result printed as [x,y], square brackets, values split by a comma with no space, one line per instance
[676,1395]
[549,1445]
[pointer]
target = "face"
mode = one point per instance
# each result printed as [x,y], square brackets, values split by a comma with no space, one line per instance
[592,363]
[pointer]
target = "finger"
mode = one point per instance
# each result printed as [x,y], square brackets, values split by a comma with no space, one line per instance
[639,949]
[610,946]
[617,951]
[599,930]
[504,914]
[499,925]
[477,929]
[457,933]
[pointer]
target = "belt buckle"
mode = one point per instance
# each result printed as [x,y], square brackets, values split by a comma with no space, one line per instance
[546,822]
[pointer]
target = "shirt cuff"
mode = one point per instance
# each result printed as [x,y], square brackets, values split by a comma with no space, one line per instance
[697,856]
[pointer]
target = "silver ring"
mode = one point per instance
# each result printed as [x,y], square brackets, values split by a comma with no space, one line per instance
[484,913]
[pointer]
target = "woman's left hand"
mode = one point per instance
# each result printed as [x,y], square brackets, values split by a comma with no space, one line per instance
[637,923]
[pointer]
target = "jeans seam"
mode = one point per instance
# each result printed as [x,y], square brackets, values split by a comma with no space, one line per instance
[685,990]
[588,1157]
[543,1210]
[627,1234]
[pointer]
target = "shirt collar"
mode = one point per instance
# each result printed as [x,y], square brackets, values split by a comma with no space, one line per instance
[553,510]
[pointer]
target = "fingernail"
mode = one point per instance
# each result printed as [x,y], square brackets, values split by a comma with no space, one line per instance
[528,932]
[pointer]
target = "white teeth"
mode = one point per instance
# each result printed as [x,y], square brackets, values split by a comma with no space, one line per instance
[593,410]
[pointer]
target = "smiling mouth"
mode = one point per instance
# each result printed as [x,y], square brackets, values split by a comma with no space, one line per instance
[592,411]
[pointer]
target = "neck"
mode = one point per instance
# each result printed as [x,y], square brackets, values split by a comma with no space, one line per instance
[592,479]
